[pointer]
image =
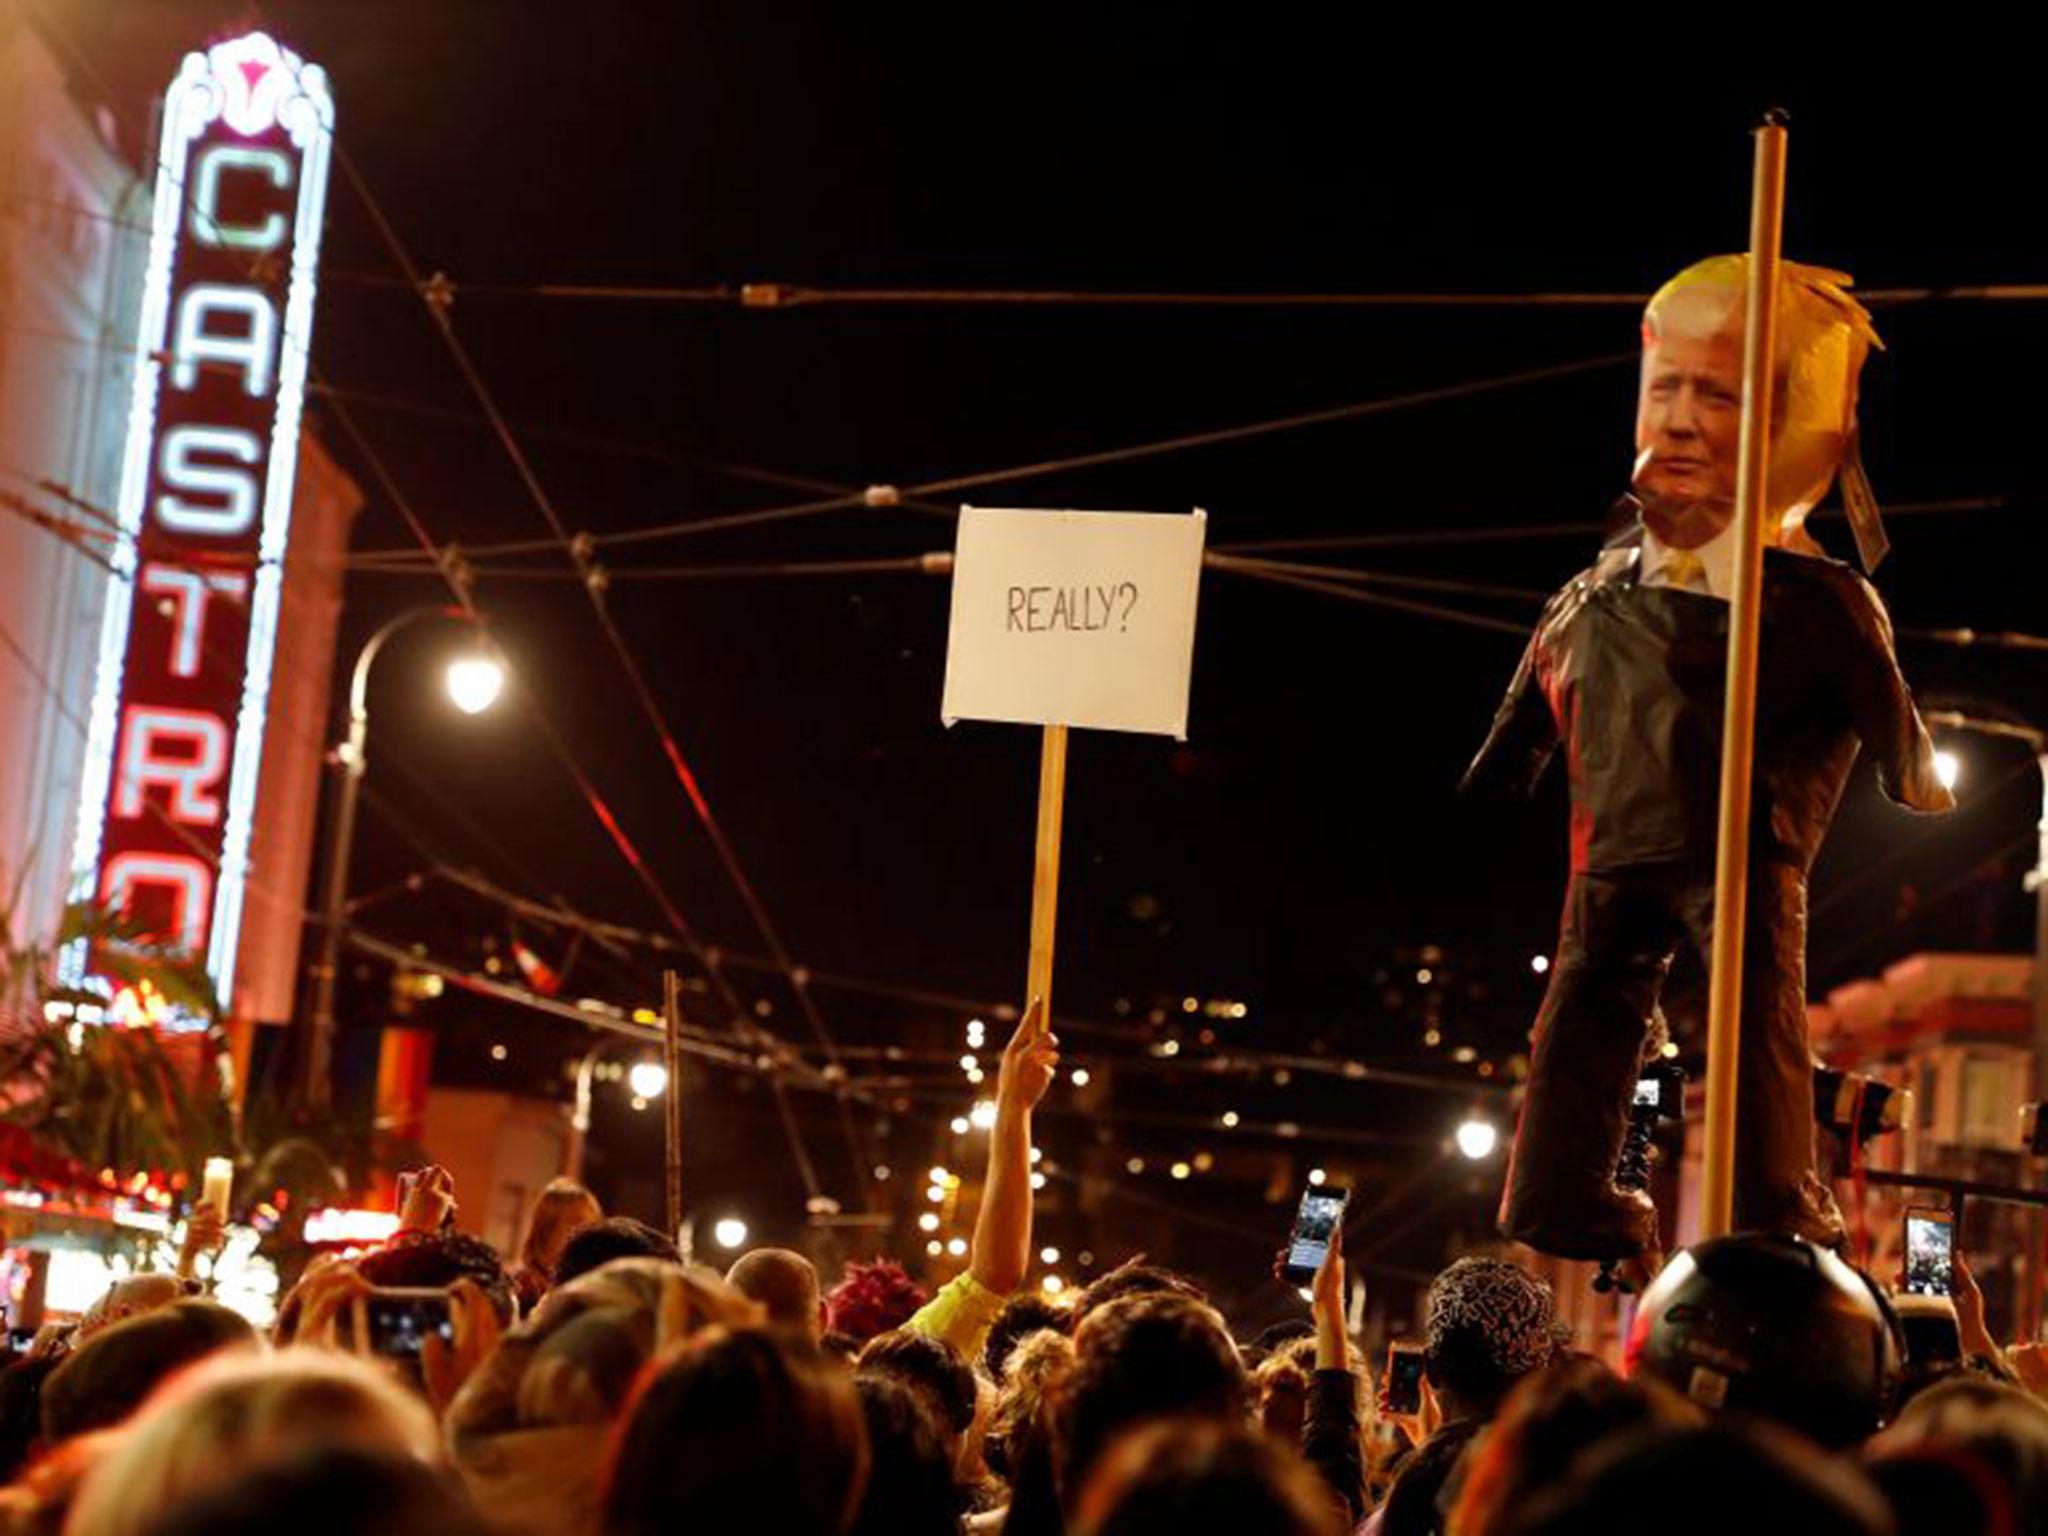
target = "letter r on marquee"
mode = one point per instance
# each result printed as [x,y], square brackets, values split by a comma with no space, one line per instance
[192,776]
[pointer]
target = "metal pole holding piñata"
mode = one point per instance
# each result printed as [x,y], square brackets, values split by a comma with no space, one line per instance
[1738,741]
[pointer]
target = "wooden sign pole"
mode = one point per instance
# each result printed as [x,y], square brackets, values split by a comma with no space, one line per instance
[672,1100]
[1738,732]
[1045,878]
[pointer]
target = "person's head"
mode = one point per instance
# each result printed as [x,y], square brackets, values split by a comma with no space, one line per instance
[929,1366]
[1025,1313]
[1036,1369]
[745,1430]
[235,1411]
[784,1282]
[871,1299]
[1181,1475]
[1280,1397]
[1724,1476]
[1486,1324]
[1765,1324]
[911,1489]
[1982,1432]
[1136,1359]
[528,1430]
[1552,1417]
[1134,1277]
[1689,408]
[128,1298]
[105,1379]
[562,1208]
[615,1237]
[330,1491]
[435,1259]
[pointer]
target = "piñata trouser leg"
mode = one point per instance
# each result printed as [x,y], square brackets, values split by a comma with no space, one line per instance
[1616,944]
[1776,1186]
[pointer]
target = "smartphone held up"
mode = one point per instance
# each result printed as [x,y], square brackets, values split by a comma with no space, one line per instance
[1315,1224]
[395,1321]
[1930,1251]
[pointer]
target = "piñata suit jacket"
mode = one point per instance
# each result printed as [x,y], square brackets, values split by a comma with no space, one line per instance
[1631,679]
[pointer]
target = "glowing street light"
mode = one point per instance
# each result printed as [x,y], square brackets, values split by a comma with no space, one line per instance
[1948,768]
[474,682]
[729,1232]
[647,1079]
[473,690]
[1477,1138]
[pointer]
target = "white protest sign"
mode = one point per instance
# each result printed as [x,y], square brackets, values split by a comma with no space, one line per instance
[1074,618]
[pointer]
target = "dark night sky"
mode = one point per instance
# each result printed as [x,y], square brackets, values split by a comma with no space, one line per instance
[1308,835]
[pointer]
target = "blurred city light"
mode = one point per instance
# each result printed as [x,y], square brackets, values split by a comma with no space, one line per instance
[1477,1138]
[647,1079]
[729,1232]
[1948,768]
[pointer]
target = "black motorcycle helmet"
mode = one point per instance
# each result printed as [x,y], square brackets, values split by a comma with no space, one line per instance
[1774,1326]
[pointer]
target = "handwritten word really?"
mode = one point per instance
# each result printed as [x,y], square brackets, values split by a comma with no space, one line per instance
[1034,610]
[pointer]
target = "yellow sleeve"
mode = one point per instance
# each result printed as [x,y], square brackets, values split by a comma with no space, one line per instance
[960,1315]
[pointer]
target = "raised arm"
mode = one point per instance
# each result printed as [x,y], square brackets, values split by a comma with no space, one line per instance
[1002,1231]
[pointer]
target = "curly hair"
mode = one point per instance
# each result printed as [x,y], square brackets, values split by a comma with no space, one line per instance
[1033,1373]
[437,1259]
[1487,1324]
[871,1299]
[1023,1314]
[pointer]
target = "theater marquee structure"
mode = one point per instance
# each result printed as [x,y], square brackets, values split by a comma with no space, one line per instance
[176,734]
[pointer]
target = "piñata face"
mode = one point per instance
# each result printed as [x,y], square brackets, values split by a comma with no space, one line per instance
[1688,420]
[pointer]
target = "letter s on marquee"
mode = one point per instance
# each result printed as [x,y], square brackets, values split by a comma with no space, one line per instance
[237,489]
[208,228]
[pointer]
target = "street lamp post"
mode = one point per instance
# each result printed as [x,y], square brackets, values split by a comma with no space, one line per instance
[648,1080]
[474,682]
[2036,741]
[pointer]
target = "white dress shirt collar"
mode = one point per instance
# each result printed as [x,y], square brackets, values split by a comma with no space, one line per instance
[1716,557]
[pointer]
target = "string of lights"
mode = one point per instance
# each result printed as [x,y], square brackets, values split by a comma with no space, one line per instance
[712,1049]
[1162,1053]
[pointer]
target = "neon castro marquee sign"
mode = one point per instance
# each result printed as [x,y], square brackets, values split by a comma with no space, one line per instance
[175,743]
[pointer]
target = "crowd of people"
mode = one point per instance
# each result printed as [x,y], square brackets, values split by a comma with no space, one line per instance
[599,1385]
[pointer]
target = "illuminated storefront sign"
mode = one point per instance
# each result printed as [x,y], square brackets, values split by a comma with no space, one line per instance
[176,739]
